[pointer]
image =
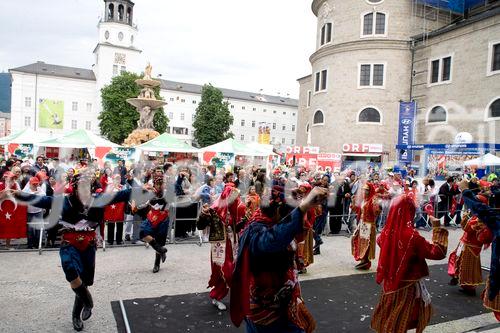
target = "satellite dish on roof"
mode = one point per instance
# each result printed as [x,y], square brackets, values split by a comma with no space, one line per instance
[464,137]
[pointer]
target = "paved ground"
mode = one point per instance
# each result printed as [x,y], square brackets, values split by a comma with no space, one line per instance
[34,296]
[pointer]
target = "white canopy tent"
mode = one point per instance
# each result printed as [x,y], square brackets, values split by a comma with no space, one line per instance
[484,161]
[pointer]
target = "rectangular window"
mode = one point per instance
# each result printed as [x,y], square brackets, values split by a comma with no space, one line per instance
[293,128]
[283,140]
[254,109]
[364,75]
[242,137]
[27,102]
[284,113]
[171,99]
[274,111]
[192,117]
[309,95]
[283,128]
[253,138]
[435,71]
[183,100]
[380,24]
[168,130]
[317,82]
[88,125]
[243,123]
[495,63]
[253,123]
[292,141]
[440,70]
[27,121]
[243,108]
[368,24]
[446,69]
[194,101]
[115,70]
[323,79]
[378,75]
[371,75]
[273,139]
[232,106]
[74,106]
[274,126]
[183,116]
[293,114]
[74,124]
[89,107]
[170,115]
[123,69]
[265,110]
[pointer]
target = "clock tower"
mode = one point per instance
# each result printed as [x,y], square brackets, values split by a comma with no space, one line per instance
[116,51]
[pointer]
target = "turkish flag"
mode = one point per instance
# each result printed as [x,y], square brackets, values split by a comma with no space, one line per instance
[13,218]
[115,212]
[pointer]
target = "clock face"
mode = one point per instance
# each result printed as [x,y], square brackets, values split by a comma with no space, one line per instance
[106,34]
[120,36]
[120,58]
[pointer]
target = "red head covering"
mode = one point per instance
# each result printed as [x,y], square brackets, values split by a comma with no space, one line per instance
[396,242]
[41,176]
[229,201]
[482,198]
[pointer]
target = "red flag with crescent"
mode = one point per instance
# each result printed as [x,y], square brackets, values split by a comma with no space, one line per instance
[13,219]
[114,212]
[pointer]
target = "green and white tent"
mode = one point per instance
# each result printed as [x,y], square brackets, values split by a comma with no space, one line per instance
[78,139]
[25,136]
[234,147]
[168,144]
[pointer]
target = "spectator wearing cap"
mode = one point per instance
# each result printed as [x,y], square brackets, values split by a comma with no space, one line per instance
[35,214]
[39,165]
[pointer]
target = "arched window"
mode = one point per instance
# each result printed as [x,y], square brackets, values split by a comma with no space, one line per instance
[129,15]
[111,11]
[326,34]
[120,12]
[369,115]
[438,114]
[318,118]
[494,109]
[374,24]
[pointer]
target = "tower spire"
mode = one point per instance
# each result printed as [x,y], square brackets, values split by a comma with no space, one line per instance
[119,11]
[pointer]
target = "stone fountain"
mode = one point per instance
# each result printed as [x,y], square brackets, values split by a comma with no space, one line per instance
[147,105]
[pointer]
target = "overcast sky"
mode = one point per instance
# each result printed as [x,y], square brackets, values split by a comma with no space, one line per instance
[238,44]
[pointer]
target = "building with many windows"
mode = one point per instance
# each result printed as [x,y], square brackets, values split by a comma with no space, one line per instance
[372,54]
[52,98]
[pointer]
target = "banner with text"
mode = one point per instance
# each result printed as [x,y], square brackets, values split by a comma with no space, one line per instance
[406,131]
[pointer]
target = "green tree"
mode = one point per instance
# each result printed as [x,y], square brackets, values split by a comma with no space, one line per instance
[118,118]
[212,119]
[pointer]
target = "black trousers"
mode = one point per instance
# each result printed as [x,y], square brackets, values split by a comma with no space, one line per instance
[111,232]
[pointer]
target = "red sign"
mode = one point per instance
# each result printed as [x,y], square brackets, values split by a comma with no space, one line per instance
[302,150]
[12,220]
[362,148]
[330,161]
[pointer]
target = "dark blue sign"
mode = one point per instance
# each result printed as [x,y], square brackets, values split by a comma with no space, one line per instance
[406,133]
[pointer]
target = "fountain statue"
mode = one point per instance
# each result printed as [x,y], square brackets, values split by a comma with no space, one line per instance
[146,104]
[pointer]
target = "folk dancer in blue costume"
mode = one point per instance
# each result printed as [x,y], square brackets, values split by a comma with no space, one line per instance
[265,292]
[154,229]
[79,213]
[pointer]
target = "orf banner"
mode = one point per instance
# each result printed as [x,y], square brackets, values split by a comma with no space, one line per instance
[406,133]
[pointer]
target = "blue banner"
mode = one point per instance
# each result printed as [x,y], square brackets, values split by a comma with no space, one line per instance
[406,132]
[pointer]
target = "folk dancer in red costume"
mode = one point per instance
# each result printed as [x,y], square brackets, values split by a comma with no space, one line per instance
[490,217]
[464,264]
[115,214]
[154,229]
[304,255]
[405,302]
[265,292]
[222,218]
[79,213]
[363,241]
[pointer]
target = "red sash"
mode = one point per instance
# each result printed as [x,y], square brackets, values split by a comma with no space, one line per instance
[79,239]
[156,217]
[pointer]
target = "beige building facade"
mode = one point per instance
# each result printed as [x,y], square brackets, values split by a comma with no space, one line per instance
[362,68]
